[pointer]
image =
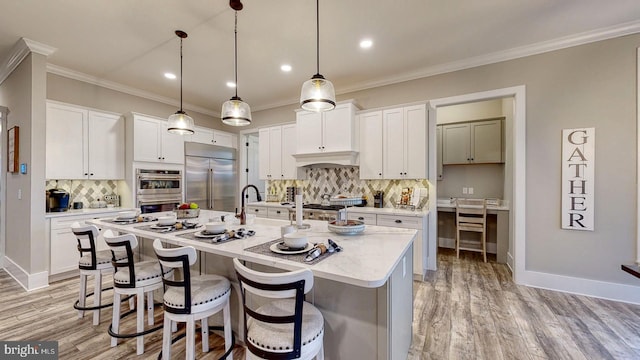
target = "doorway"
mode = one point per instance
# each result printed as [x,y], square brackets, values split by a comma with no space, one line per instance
[515,171]
[3,181]
[251,162]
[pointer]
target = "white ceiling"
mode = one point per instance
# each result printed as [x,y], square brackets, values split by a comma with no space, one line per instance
[132,42]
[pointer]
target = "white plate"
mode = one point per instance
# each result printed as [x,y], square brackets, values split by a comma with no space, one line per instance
[203,234]
[275,249]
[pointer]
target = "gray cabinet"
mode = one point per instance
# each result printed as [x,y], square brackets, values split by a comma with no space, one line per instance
[472,143]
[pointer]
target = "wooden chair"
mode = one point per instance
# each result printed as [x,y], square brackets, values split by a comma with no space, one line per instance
[286,327]
[471,215]
[192,298]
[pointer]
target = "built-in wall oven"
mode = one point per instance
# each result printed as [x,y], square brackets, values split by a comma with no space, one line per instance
[158,190]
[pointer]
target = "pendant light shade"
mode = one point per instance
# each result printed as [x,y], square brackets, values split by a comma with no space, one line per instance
[317,93]
[236,112]
[180,123]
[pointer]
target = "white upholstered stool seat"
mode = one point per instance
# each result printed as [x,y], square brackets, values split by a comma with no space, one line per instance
[205,290]
[103,259]
[277,337]
[145,272]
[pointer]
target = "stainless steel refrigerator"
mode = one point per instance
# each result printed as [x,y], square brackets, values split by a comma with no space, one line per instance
[211,176]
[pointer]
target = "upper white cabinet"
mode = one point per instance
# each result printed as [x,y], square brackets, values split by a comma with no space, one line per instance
[329,131]
[404,142]
[371,145]
[153,143]
[276,147]
[472,142]
[83,143]
[213,137]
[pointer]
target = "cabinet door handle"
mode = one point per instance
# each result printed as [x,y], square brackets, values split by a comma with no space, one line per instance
[360,218]
[277,211]
[380,174]
[256,210]
[398,221]
[85,174]
[91,174]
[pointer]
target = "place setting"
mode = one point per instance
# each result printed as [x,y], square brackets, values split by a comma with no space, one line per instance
[216,232]
[130,217]
[170,223]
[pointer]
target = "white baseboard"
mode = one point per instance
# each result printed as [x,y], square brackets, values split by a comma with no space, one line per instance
[580,286]
[492,248]
[28,281]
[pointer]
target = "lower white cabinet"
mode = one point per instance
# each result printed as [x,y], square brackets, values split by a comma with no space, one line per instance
[367,218]
[258,211]
[63,246]
[269,212]
[276,213]
[419,245]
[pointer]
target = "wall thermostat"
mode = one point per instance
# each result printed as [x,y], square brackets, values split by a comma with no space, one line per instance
[23,168]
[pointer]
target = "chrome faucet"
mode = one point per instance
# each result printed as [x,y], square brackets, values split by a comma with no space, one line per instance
[243,214]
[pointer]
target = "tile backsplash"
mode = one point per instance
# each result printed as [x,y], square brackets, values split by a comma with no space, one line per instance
[86,191]
[345,180]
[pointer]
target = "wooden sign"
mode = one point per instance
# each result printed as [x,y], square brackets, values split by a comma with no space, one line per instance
[13,147]
[578,169]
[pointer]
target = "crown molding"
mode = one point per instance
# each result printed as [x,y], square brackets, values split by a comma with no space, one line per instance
[611,32]
[77,75]
[20,50]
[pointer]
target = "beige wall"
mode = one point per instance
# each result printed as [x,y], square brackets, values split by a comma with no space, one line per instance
[471,111]
[76,92]
[591,85]
[23,92]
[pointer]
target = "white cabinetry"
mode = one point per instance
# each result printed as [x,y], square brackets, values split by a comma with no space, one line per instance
[367,218]
[258,211]
[83,143]
[63,244]
[404,143]
[275,212]
[472,143]
[276,149]
[153,143]
[371,145]
[420,247]
[205,135]
[329,131]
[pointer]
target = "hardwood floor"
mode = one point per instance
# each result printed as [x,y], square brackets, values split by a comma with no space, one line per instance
[466,310]
[469,309]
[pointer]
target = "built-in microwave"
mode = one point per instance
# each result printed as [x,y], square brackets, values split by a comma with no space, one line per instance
[158,190]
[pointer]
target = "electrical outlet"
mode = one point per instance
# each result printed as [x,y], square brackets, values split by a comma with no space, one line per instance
[470,191]
[465,190]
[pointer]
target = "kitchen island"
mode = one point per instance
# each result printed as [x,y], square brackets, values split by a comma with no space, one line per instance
[365,292]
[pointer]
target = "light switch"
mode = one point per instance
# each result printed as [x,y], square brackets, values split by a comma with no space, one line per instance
[19,194]
[465,190]
[470,191]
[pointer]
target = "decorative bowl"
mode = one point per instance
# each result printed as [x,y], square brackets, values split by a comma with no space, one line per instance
[295,239]
[215,227]
[351,227]
[127,214]
[166,220]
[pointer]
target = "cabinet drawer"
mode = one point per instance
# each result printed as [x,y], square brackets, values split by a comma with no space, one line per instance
[407,222]
[367,218]
[258,211]
[274,213]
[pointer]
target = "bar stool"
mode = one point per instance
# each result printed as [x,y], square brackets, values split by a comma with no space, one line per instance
[191,299]
[285,328]
[92,263]
[133,278]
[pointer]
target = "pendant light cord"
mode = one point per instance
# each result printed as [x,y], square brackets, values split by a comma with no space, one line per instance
[317,36]
[181,74]
[235,34]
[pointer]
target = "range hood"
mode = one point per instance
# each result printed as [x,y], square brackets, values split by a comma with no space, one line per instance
[327,159]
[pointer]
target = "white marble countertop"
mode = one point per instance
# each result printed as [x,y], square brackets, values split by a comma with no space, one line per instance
[87,211]
[368,258]
[360,209]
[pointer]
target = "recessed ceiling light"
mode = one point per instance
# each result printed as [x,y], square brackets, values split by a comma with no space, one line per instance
[170,76]
[366,43]
[285,68]
[231,84]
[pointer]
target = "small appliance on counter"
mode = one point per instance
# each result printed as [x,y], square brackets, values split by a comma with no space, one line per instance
[57,200]
[113,200]
[377,199]
[77,205]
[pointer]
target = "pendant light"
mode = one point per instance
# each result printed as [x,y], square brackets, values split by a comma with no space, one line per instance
[180,123]
[317,93]
[236,112]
